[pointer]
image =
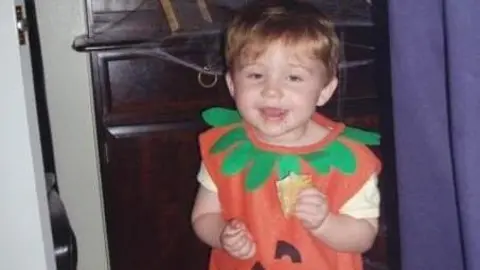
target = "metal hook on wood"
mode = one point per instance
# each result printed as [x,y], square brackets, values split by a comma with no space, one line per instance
[200,79]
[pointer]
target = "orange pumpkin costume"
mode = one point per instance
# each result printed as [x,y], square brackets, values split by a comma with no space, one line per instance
[282,242]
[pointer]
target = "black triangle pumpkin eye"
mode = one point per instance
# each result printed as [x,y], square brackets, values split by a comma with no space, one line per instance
[283,249]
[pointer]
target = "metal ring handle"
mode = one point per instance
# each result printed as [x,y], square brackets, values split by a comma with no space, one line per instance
[206,85]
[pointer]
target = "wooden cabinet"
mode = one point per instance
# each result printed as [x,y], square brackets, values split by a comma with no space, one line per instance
[148,119]
[149,192]
[148,101]
[134,87]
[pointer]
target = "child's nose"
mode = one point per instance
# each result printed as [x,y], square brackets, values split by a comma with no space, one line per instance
[272,90]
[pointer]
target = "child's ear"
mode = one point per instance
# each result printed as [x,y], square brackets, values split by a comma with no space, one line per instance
[327,92]
[229,81]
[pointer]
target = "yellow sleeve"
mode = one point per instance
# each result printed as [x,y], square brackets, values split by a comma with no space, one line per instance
[205,179]
[365,203]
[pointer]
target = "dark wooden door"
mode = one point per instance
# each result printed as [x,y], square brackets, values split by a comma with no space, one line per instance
[148,117]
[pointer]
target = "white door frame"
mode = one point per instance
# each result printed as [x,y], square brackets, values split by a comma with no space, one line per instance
[25,230]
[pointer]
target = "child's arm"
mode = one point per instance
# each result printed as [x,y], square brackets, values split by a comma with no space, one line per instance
[341,232]
[207,221]
[209,225]
[347,234]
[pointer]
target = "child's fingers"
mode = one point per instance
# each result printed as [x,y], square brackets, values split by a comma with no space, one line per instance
[237,224]
[230,231]
[244,249]
[247,251]
[234,226]
[310,196]
[310,221]
[310,208]
[253,250]
[236,242]
[311,202]
[310,192]
[229,236]
[305,219]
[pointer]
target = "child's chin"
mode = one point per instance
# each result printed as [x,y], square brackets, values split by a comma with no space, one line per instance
[270,135]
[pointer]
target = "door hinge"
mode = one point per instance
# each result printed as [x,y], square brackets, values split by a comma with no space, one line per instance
[22,24]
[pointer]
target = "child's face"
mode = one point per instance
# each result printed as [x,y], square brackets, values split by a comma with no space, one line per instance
[278,91]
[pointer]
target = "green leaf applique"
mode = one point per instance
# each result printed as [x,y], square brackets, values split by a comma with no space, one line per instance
[335,155]
[319,161]
[261,169]
[261,164]
[218,117]
[238,158]
[230,138]
[341,157]
[287,164]
[362,136]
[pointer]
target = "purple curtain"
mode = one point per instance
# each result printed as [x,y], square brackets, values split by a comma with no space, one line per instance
[435,58]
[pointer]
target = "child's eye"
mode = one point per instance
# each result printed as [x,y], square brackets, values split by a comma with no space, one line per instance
[295,78]
[255,76]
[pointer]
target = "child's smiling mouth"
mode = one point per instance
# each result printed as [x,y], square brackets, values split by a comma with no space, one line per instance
[273,113]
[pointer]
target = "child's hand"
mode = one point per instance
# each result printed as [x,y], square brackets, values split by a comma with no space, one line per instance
[311,208]
[237,241]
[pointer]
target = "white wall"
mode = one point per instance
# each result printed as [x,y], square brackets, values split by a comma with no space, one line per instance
[69,98]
